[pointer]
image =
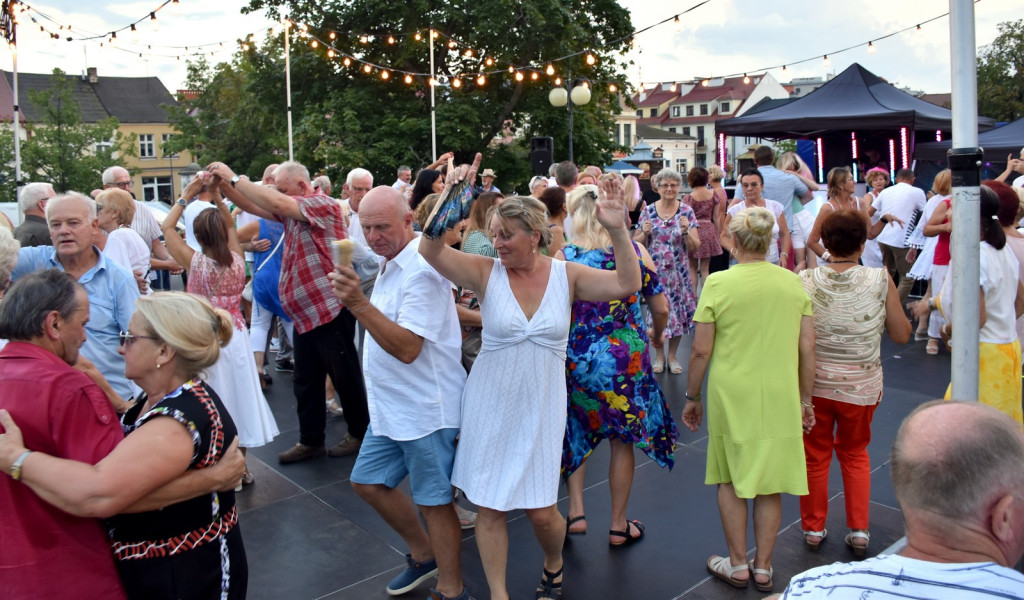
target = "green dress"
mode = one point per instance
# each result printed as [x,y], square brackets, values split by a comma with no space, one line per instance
[753,409]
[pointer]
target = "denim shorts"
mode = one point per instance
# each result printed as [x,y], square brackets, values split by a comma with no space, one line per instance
[427,461]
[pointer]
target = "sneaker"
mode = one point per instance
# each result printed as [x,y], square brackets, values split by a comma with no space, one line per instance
[346,447]
[285,366]
[436,595]
[413,575]
[299,452]
[275,345]
[333,408]
[467,518]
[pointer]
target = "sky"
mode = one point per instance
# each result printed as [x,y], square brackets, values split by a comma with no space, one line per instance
[722,37]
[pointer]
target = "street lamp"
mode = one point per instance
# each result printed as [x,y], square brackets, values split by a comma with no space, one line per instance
[579,96]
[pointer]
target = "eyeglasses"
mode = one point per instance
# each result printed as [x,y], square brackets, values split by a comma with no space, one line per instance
[126,339]
[123,184]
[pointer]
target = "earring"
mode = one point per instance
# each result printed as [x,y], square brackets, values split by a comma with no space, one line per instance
[157,365]
[732,251]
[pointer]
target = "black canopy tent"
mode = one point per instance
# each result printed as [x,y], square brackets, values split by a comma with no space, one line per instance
[854,112]
[997,143]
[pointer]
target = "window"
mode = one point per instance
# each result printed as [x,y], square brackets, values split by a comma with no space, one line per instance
[618,135]
[726,107]
[654,112]
[146,149]
[700,136]
[702,160]
[686,131]
[102,147]
[703,109]
[157,188]
[627,135]
[796,90]
[640,113]
[164,138]
[681,165]
[675,111]
[689,110]
[671,129]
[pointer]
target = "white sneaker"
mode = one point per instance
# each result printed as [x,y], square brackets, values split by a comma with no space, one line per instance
[333,408]
[275,345]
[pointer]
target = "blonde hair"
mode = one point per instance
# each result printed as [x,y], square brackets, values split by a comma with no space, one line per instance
[789,160]
[190,325]
[752,229]
[943,183]
[526,212]
[716,173]
[426,207]
[118,202]
[8,256]
[586,231]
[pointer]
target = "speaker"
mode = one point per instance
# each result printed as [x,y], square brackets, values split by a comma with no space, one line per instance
[541,151]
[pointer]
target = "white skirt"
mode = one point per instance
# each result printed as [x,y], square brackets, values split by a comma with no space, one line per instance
[235,380]
[922,268]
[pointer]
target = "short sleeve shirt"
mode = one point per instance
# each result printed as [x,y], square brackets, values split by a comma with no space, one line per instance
[305,290]
[900,200]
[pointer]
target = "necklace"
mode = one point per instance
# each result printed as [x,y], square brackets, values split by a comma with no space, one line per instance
[840,262]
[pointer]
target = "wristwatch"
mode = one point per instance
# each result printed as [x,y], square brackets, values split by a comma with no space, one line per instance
[182,202]
[690,398]
[235,180]
[884,219]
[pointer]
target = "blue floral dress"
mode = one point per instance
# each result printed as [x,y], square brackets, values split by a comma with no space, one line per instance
[612,391]
[668,251]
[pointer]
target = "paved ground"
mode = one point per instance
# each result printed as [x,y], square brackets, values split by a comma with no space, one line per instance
[308,536]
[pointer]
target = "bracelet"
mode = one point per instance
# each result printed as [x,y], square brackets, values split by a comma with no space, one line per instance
[690,398]
[806,404]
[16,467]
[826,255]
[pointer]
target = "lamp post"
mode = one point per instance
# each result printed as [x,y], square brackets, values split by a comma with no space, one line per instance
[560,96]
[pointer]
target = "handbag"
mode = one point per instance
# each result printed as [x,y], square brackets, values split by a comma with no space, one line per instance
[247,290]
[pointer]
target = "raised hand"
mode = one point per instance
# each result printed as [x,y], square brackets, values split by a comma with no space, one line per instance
[611,208]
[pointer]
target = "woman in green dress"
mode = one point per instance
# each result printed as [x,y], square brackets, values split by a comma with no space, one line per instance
[754,328]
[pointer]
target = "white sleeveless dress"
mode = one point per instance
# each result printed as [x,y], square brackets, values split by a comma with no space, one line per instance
[514,404]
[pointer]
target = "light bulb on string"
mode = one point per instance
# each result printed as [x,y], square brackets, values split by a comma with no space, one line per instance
[385,75]
[704,83]
[519,76]
[550,70]
[332,35]
[612,88]
[365,39]
[245,46]
[511,69]
[175,8]
[783,68]
[871,48]
[113,40]
[391,39]
[591,59]
[153,22]
[367,68]
[314,44]
[919,30]
[456,83]
[134,35]
[826,62]
[481,80]
[347,61]
[408,78]
[489,61]
[433,34]
[745,78]
[672,88]
[558,81]
[431,82]
[417,37]
[468,53]
[678,24]
[304,27]
[451,43]
[330,53]
[534,76]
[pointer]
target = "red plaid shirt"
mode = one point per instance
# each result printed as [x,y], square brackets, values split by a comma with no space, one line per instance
[307,259]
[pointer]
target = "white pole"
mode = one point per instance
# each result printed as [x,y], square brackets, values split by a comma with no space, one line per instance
[288,83]
[965,161]
[433,109]
[17,125]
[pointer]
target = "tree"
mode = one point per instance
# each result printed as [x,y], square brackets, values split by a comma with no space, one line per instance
[1001,74]
[8,189]
[346,118]
[63,150]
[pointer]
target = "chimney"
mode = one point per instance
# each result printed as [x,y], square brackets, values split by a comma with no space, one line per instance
[93,76]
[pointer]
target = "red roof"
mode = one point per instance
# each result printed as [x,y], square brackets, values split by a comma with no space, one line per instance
[655,98]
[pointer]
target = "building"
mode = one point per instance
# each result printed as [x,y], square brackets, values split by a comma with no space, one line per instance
[690,110]
[799,87]
[138,105]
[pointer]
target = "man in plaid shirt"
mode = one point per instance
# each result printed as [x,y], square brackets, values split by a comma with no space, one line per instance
[324,329]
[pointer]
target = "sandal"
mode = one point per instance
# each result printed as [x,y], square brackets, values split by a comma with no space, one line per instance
[858,550]
[932,347]
[658,366]
[766,586]
[625,534]
[675,368]
[813,545]
[722,568]
[548,588]
[569,522]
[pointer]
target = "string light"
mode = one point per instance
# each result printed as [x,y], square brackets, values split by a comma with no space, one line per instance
[481,80]
[417,37]
[385,75]
[534,76]
[347,61]
[134,34]
[408,78]
[489,61]
[456,83]
[745,78]
[367,68]
[550,70]
[558,81]
[919,28]
[153,22]
[612,88]
[511,69]
[451,44]
[365,39]
[391,39]
[332,35]
[313,44]
[591,59]
[433,33]
[825,61]
[705,83]
[871,48]
[175,8]
[469,53]
[330,53]
[432,82]
[672,88]
[519,75]
[245,46]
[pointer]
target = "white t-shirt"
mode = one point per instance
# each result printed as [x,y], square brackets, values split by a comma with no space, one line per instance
[189,216]
[244,218]
[1018,182]
[999,277]
[776,209]
[126,248]
[408,402]
[900,200]
[895,577]
[365,262]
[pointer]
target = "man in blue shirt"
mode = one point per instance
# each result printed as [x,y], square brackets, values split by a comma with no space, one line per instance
[112,289]
[787,190]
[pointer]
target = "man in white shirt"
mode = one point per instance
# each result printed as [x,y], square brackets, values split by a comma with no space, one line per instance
[897,204]
[404,180]
[144,223]
[958,474]
[414,381]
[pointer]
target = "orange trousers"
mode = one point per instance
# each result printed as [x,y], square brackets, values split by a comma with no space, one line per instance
[845,429]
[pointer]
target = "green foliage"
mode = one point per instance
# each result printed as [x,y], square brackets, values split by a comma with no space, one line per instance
[62,149]
[1001,74]
[8,190]
[783,146]
[344,118]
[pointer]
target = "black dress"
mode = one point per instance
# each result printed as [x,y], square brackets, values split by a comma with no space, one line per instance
[192,549]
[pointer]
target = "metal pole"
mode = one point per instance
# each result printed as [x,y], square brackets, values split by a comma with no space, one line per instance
[288,82]
[433,109]
[17,109]
[965,162]
[568,106]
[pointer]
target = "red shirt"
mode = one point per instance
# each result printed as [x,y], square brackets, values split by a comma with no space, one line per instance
[307,259]
[45,552]
[942,256]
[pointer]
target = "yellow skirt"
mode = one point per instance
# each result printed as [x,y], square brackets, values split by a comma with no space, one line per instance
[999,378]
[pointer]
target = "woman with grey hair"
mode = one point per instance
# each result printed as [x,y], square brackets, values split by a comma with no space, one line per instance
[668,228]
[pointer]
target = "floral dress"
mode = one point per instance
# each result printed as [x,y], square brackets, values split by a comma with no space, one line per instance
[612,392]
[668,251]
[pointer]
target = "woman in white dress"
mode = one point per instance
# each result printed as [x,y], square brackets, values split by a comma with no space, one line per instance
[115,210]
[509,452]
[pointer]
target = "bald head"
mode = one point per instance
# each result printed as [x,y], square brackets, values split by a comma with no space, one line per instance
[950,459]
[386,220]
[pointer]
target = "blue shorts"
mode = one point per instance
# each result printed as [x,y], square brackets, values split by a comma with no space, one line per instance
[427,461]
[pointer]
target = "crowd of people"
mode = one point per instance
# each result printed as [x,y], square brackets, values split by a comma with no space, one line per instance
[412,311]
